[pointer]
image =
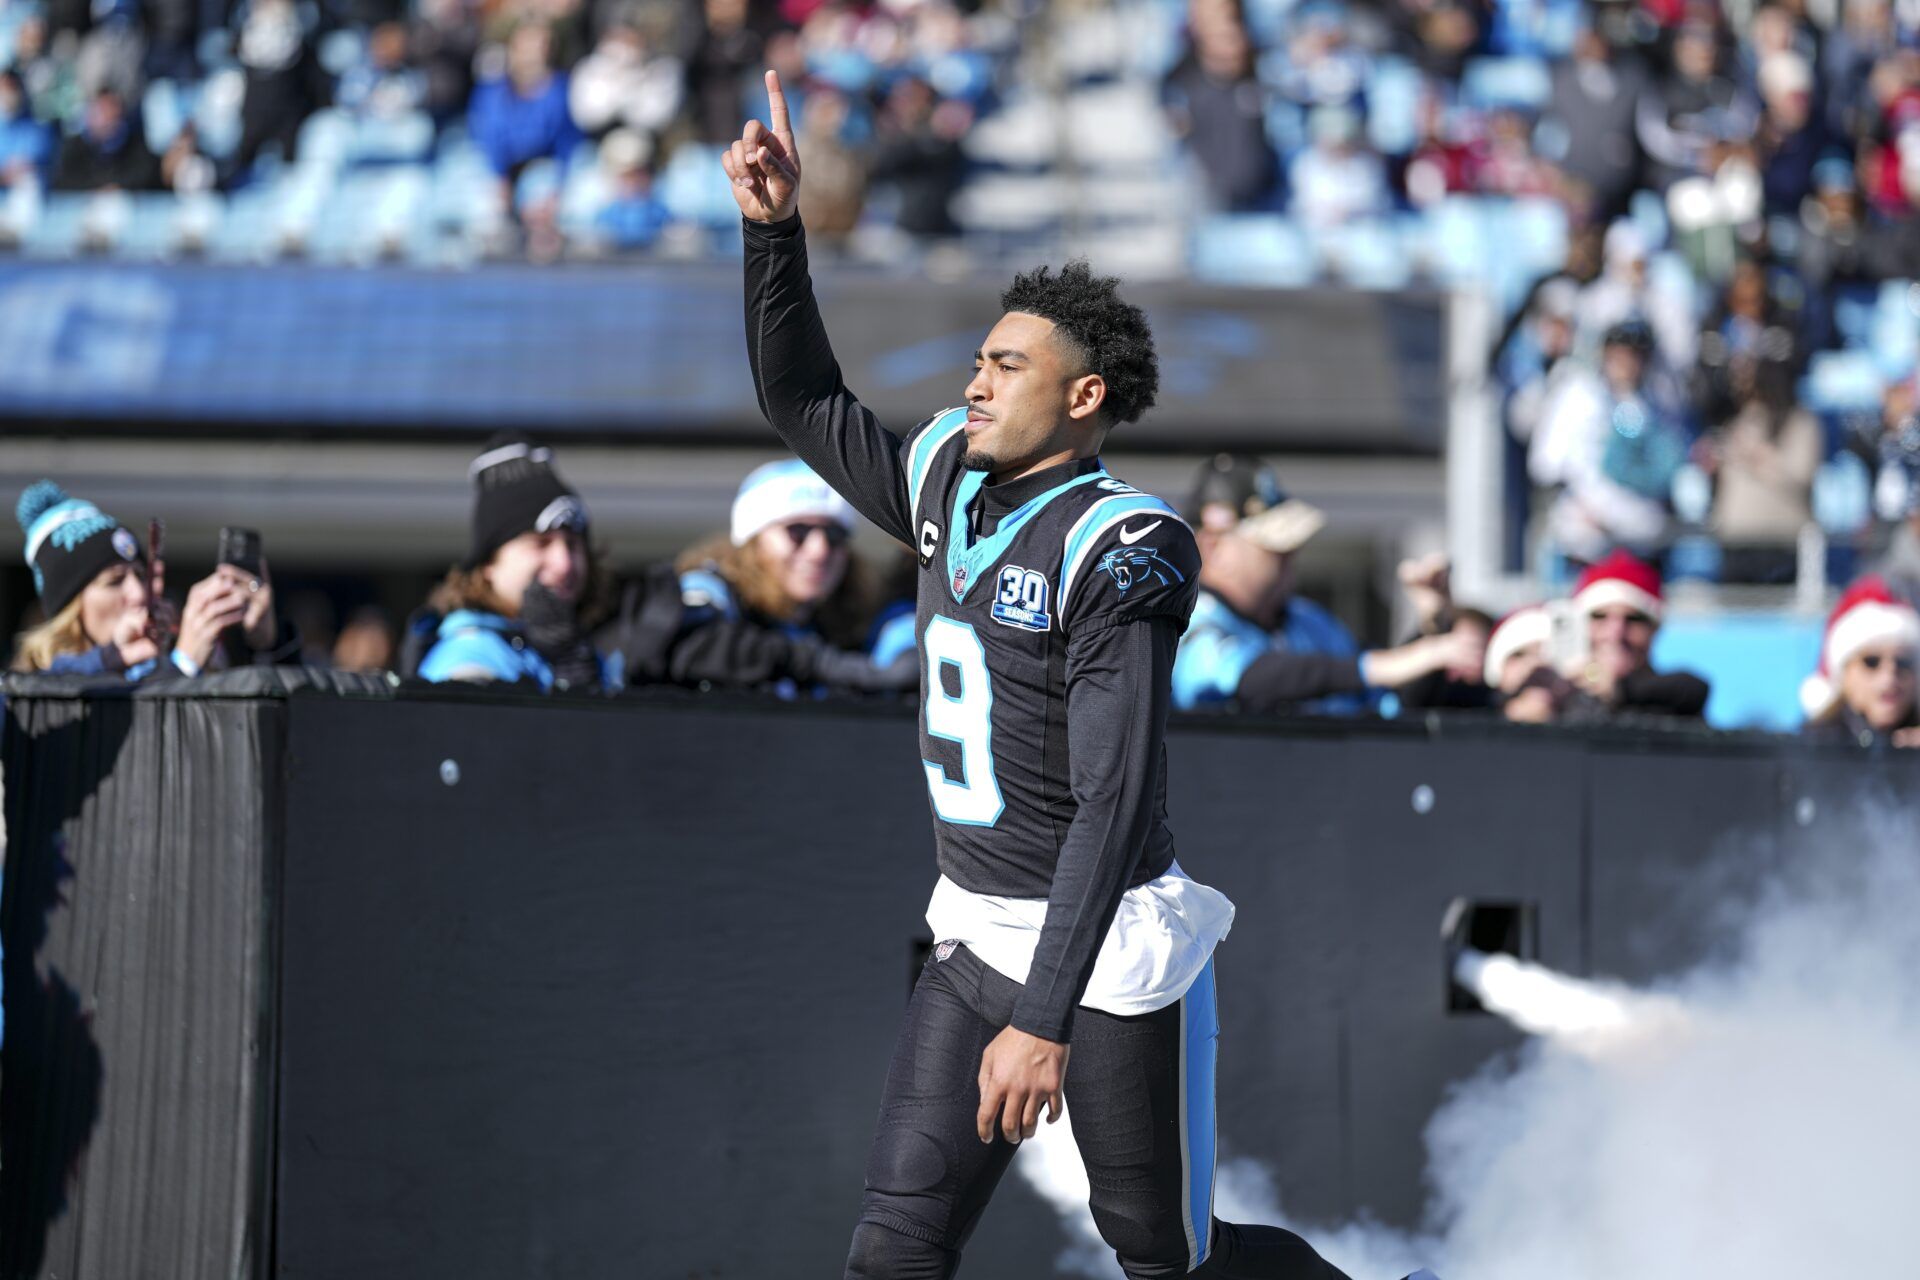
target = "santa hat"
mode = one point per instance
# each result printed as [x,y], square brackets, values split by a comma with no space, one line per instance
[1620,579]
[1522,627]
[1868,614]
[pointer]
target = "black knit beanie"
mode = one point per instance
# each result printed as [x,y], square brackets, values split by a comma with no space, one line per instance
[516,491]
[69,541]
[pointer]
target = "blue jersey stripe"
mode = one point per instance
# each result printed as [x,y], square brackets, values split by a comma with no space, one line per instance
[920,456]
[1200,1027]
[1085,535]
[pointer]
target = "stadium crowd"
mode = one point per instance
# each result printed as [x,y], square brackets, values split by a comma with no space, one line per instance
[780,603]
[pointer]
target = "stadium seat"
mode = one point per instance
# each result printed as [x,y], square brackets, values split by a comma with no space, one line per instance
[1366,255]
[385,140]
[1393,105]
[150,231]
[1252,249]
[216,111]
[1515,82]
[694,188]
[1843,495]
[1896,328]
[55,233]
[1117,126]
[165,107]
[1842,382]
[1455,241]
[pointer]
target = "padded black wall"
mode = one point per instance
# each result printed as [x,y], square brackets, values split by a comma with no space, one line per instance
[618,998]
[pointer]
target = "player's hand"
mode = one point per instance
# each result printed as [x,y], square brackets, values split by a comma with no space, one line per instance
[765,165]
[1019,1074]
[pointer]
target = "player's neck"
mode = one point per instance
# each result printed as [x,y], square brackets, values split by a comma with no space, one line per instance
[1030,466]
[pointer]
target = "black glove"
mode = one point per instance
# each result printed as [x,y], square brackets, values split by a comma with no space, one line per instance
[552,626]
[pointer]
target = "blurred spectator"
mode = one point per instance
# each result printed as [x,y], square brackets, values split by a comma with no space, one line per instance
[1608,452]
[284,82]
[1536,366]
[519,609]
[26,145]
[1519,669]
[91,574]
[1462,684]
[521,116]
[1448,157]
[1622,602]
[1695,109]
[184,168]
[1865,36]
[113,51]
[1834,246]
[1218,105]
[53,89]
[1324,67]
[626,81]
[1792,137]
[365,644]
[1590,117]
[1439,35]
[917,153]
[1762,461]
[1509,166]
[781,603]
[444,41]
[1896,495]
[1748,331]
[109,152]
[1336,178]
[1254,643]
[632,218]
[835,191]
[725,57]
[1625,290]
[381,83]
[1864,690]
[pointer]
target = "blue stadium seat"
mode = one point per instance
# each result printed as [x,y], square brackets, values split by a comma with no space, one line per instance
[1843,495]
[340,49]
[165,107]
[1842,382]
[1393,105]
[405,139]
[56,232]
[694,188]
[150,231]
[1252,249]
[1896,328]
[216,111]
[1455,240]
[1854,310]
[1367,255]
[1649,212]
[1520,83]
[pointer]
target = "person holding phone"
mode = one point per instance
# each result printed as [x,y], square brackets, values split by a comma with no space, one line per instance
[102,600]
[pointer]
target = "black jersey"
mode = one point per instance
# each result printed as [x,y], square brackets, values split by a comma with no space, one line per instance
[1046,625]
[995,616]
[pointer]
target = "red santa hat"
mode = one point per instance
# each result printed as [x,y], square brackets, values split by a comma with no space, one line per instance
[1868,614]
[1522,627]
[1621,578]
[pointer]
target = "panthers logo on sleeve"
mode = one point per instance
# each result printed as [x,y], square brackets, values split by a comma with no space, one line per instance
[1130,565]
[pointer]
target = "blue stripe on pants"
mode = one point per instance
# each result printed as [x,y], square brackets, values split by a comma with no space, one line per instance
[1199,1043]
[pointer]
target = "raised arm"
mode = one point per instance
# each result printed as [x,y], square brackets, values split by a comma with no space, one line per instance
[794,371]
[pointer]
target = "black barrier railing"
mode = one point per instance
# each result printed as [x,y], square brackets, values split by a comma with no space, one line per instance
[313,976]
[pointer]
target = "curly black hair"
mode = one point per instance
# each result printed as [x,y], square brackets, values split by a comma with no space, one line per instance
[1106,335]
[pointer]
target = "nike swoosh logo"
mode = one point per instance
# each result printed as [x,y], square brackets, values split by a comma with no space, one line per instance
[1131,536]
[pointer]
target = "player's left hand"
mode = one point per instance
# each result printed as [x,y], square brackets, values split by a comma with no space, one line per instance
[1019,1074]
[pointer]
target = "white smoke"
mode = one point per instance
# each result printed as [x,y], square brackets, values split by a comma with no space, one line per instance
[1757,1117]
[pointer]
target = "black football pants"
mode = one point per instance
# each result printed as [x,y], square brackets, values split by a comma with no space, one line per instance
[1141,1093]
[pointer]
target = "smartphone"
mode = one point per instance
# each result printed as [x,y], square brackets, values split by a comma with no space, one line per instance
[1568,644]
[241,549]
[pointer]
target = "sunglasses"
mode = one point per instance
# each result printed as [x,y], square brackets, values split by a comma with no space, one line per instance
[836,535]
[1872,661]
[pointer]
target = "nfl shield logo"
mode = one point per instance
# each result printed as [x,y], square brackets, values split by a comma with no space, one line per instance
[959,579]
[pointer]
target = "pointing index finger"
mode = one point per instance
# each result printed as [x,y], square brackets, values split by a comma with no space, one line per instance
[777,108]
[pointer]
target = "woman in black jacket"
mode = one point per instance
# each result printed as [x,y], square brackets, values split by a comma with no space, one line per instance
[1864,691]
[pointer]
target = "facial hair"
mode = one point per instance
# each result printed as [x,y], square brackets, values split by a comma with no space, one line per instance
[979,460]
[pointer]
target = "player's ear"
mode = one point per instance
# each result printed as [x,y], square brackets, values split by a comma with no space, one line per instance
[1085,395]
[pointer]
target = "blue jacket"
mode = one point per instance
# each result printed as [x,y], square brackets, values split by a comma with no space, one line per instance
[511,130]
[471,645]
[105,660]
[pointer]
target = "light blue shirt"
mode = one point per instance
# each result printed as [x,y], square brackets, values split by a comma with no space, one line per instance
[1220,645]
[472,645]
